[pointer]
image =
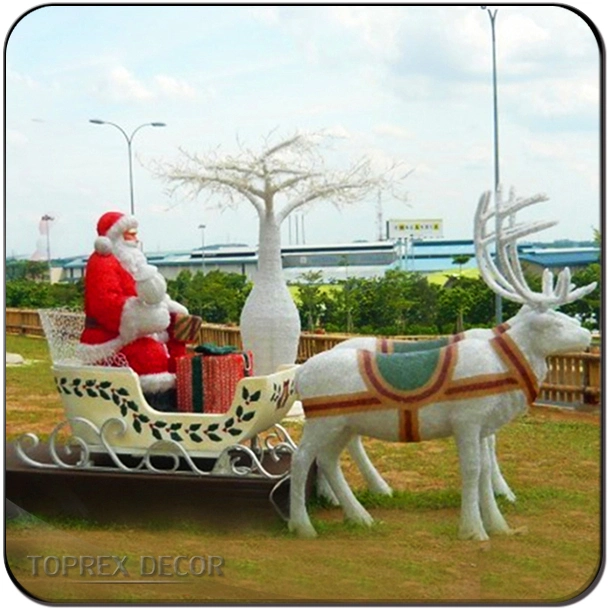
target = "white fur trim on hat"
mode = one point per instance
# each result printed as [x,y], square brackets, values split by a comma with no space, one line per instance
[102,245]
[123,224]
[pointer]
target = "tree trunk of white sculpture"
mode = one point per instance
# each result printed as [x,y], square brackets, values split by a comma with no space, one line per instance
[270,325]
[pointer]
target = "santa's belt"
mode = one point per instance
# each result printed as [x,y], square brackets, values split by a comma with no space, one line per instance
[91,323]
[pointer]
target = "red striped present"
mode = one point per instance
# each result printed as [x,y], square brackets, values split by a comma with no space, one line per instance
[206,383]
[185,327]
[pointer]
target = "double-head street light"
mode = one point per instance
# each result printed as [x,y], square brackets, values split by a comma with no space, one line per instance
[128,139]
[492,20]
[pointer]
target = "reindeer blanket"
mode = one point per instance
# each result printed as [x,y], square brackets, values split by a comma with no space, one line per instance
[411,380]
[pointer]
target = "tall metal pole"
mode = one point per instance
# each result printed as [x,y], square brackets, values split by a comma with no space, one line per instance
[202,227]
[46,218]
[129,140]
[492,20]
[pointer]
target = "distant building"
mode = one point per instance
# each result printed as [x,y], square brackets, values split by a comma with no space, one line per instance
[536,260]
[339,261]
[433,255]
[358,259]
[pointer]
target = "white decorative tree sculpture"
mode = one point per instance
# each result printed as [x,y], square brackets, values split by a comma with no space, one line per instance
[290,174]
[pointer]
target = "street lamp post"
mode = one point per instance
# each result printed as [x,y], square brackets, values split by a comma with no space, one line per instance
[129,140]
[492,21]
[202,227]
[47,218]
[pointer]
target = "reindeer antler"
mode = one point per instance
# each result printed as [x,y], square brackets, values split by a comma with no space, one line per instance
[507,279]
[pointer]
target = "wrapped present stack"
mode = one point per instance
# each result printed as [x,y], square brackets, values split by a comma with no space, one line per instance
[206,380]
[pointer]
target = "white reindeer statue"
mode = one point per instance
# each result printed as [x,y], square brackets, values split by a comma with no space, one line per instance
[468,389]
[374,481]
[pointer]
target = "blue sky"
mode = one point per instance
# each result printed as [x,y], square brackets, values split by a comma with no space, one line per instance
[403,83]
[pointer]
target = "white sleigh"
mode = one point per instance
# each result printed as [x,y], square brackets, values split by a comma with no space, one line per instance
[107,415]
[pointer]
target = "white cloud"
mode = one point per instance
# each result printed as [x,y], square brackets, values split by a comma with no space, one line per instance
[561,98]
[393,131]
[120,85]
[269,15]
[16,138]
[337,131]
[378,28]
[172,87]
[17,77]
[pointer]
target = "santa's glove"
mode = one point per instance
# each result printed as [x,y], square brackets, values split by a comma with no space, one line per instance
[152,289]
[174,306]
[140,319]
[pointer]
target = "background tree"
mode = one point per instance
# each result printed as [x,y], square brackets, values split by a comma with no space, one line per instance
[588,309]
[460,260]
[27,270]
[311,298]
[33,294]
[216,297]
[283,177]
[453,305]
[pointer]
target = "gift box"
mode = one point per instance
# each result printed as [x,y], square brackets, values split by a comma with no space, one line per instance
[206,383]
[184,327]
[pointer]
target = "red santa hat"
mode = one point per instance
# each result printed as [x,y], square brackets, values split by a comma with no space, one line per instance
[110,226]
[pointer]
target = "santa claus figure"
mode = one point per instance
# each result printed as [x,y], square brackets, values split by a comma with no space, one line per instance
[128,311]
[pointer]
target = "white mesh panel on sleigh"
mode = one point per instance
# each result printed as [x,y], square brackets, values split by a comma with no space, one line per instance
[62,329]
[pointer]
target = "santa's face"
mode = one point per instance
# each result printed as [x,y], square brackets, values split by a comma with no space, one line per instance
[125,248]
[130,237]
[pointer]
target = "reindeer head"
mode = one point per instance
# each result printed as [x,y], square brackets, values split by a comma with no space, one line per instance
[550,332]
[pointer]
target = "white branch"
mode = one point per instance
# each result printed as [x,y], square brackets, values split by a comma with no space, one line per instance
[293,168]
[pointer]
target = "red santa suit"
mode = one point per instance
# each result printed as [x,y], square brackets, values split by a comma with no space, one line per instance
[127,308]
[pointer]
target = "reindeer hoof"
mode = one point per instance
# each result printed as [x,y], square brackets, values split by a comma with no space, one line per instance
[362,519]
[518,531]
[470,534]
[382,490]
[507,493]
[302,530]
[510,496]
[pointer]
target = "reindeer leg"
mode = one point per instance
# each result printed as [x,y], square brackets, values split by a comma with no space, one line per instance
[374,481]
[469,449]
[302,461]
[500,486]
[492,517]
[324,490]
[328,460]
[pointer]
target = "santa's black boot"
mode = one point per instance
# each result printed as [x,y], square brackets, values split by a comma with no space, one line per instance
[162,401]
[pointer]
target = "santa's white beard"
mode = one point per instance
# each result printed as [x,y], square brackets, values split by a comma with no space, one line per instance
[129,254]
